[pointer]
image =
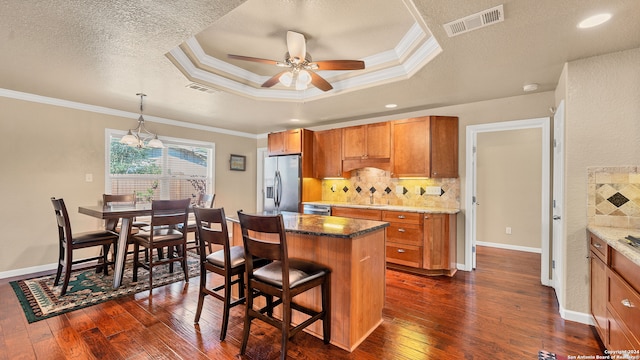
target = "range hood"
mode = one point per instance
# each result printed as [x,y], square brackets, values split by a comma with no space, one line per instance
[382,164]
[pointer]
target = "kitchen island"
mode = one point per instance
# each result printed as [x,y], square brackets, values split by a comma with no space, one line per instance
[355,251]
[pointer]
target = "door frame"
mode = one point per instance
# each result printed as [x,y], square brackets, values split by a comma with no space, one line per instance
[472,132]
[557,233]
[261,153]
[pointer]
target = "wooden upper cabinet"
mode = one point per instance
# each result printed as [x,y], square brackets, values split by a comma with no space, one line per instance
[425,147]
[327,153]
[285,142]
[371,141]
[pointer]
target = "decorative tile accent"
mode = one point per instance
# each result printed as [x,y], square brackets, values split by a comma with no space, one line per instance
[372,189]
[614,196]
[387,190]
[345,189]
[618,199]
[404,191]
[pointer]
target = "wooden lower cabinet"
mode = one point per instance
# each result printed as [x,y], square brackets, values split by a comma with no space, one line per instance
[440,244]
[417,242]
[615,296]
[598,294]
[404,238]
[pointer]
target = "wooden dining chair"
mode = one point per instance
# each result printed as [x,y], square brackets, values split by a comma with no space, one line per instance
[68,242]
[227,262]
[264,237]
[166,216]
[204,201]
[121,199]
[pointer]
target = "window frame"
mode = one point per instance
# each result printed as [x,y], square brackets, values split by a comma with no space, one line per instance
[109,133]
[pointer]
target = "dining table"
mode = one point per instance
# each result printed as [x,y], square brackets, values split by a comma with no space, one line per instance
[126,213]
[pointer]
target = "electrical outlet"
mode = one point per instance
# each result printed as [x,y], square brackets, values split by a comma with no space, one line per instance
[399,189]
[508,230]
[416,189]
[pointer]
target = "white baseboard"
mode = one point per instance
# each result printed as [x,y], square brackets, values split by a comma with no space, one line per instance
[510,247]
[27,271]
[579,317]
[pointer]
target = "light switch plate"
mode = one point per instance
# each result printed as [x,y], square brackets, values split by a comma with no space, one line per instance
[399,189]
[88,177]
[434,190]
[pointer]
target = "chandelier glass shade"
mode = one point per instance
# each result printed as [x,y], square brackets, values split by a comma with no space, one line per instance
[141,137]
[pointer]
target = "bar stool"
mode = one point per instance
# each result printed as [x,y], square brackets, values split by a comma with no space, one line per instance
[211,227]
[264,237]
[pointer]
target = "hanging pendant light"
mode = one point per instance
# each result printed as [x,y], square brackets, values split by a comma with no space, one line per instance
[140,137]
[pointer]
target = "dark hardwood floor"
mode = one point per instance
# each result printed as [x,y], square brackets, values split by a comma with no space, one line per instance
[498,311]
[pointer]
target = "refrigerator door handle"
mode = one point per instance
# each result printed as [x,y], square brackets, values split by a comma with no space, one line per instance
[278,189]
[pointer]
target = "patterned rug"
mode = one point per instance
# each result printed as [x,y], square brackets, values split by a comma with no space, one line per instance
[41,300]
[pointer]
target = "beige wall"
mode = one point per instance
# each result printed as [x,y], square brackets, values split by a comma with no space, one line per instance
[509,187]
[602,128]
[47,150]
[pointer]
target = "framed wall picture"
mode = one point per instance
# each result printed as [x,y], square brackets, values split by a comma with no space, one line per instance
[238,162]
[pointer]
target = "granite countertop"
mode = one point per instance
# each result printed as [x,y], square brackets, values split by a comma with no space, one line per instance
[615,238]
[426,210]
[319,225]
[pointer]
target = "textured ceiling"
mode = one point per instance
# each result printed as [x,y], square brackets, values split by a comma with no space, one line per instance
[105,53]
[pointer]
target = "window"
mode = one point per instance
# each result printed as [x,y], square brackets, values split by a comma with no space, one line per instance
[181,170]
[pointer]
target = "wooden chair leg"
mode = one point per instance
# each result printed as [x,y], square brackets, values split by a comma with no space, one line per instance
[201,295]
[226,306]
[184,266]
[286,321]
[150,279]
[326,307]
[136,261]
[247,322]
[67,276]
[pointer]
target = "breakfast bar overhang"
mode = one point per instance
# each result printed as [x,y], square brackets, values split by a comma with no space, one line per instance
[355,251]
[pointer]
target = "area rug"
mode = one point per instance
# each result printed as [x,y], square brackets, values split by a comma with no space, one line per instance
[40,299]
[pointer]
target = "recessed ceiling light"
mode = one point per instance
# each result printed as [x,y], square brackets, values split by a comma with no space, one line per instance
[294,120]
[594,20]
[530,87]
[391,106]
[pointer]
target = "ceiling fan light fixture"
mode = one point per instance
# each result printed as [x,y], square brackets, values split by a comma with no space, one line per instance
[303,80]
[286,79]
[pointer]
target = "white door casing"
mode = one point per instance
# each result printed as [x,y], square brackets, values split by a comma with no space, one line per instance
[557,271]
[470,187]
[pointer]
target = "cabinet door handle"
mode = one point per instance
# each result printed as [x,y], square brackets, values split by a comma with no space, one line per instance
[597,246]
[401,251]
[401,230]
[627,303]
[400,216]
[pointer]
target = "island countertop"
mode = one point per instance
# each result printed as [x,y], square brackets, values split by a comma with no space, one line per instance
[319,225]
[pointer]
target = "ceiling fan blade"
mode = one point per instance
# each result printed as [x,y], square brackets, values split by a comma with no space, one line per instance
[319,82]
[340,64]
[297,45]
[274,79]
[254,59]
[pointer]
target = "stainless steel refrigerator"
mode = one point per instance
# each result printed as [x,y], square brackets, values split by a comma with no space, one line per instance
[282,183]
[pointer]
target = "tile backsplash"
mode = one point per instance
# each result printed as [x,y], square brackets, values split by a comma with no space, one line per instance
[392,191]
[614,196]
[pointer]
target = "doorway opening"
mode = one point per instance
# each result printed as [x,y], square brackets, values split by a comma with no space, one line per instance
[471,202]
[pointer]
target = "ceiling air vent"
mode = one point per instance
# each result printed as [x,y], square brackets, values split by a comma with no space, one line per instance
[200,87]
[475,21]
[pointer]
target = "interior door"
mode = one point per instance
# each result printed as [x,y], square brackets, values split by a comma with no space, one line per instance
[558,200]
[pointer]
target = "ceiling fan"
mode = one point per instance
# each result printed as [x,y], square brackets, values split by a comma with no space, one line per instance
[300,67]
